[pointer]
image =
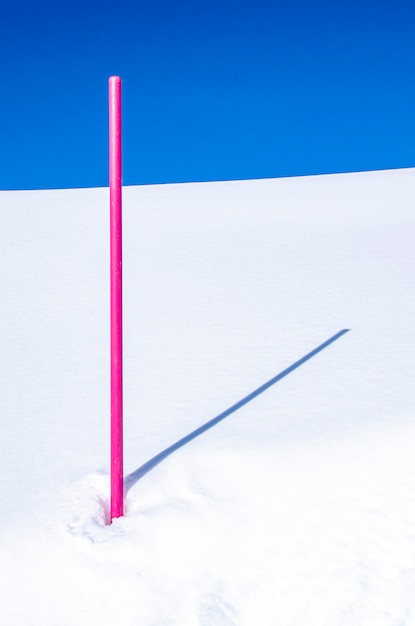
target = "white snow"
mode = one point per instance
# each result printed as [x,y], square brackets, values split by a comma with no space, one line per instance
[296,509]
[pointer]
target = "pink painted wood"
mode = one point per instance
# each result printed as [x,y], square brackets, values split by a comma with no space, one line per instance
[115,175]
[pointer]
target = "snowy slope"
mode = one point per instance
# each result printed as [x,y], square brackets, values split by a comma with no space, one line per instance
[296,508]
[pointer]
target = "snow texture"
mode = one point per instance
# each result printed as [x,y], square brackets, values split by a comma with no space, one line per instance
[296,506]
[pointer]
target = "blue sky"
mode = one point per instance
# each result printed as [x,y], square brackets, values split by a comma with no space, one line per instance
[212,90]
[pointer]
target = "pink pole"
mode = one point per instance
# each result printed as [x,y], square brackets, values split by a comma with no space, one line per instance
[115,175]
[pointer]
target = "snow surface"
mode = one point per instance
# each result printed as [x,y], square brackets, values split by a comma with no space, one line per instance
[298,508]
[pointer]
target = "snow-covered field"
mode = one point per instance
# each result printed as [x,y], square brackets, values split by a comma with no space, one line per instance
[296,509]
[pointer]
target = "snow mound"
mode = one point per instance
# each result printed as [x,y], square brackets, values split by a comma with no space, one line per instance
[297,506]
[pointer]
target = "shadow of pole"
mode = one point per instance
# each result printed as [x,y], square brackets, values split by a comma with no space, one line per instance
[135,476]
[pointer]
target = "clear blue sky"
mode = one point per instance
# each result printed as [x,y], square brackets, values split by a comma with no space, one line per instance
[213,90]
